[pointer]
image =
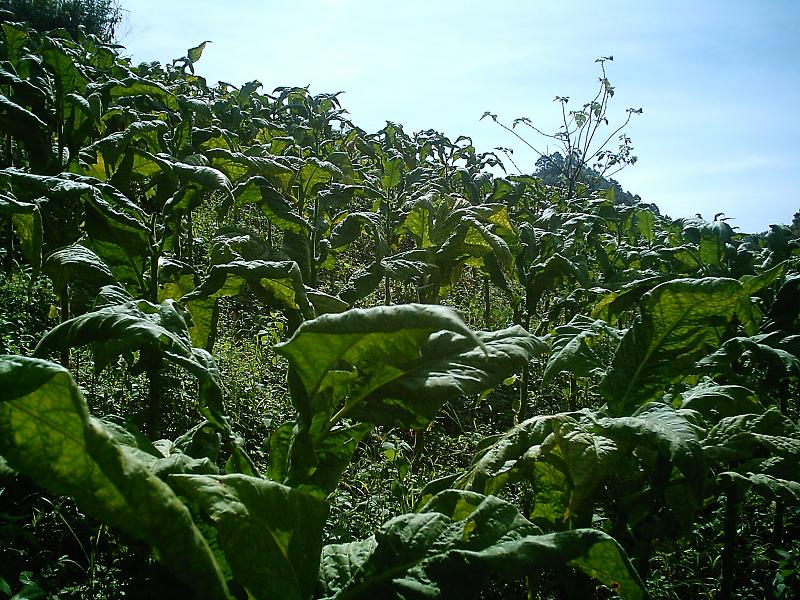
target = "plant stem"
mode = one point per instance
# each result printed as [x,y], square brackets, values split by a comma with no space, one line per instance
[729,542]
[189,238]
[10,250]
[154,399]
[487,306]
[314,244]
[573,393]
[522,401]
[65,317]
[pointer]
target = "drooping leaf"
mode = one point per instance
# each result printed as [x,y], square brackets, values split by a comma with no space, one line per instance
[680,321]
[155,330]
[133,86]
[398,364]
[47,434]
[568,456]
[573,347]
[27,221]
[613,304]
[456,540]
[271,535]
[362,283]
[276,284]
[715,401]
[742,437]
[76,262]
[276,207]
[347,231]
[543,277]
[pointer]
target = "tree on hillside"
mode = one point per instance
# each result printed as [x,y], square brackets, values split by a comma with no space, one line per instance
[98,17]
[550,169]
[795,225]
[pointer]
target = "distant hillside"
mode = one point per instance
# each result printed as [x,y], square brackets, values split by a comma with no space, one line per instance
[550,169]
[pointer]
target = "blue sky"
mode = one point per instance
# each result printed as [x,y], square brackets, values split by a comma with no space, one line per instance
[719,81]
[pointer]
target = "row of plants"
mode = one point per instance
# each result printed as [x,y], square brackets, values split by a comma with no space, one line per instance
[154,206]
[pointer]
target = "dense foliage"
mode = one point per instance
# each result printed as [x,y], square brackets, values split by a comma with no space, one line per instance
[251,296]
[96,17]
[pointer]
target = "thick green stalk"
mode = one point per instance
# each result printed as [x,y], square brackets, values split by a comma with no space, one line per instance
[178,244]
[521,406]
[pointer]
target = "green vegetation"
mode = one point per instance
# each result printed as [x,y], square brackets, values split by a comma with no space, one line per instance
[301,360]
[93,17]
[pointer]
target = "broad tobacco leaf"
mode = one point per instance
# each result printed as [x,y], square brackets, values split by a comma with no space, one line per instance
[155,330]
[572,347]
[392,365]
[270,534]
[399,364]
[744,437]
[47,434]
[568,456]
[76,262]
[457,539]
[26,219]
[680,322]
[276,284]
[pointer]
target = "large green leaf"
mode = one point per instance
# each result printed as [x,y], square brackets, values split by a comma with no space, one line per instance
[258,191]
[25,126]
[347,230]
[743,437]
[271,535]
[76,262]
[276,284]
[613,304]
[568,456]
[680,322]
[768,486]
[362,283]
[573,347]
[714,401]
[316,172]
[418,221]
[135,86]
[27,221]
[155,330]
[392,166]
[773,354]
[399,364]
[543,277]
[47,434]
[456,540]
[116,227]
[330,458]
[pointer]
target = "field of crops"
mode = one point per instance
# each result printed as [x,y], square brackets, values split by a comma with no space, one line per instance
[253,351]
